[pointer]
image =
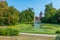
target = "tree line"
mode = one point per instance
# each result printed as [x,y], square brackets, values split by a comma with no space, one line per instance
[52,15]
[10,15]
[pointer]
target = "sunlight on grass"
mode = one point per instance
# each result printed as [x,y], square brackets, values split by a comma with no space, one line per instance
[28,28]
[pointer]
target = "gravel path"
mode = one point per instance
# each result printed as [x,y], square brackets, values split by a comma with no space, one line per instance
[29,36]
[38,34]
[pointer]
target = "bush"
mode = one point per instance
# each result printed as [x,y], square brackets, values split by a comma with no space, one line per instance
[9,32]
[57,38]
[58,32]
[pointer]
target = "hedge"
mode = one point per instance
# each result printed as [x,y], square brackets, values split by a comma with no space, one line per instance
[8,32]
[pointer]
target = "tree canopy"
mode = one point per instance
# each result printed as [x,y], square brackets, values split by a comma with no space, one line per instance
[51,14]
[27,15]
[8,14]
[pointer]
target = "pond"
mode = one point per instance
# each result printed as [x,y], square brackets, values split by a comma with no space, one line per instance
[37,24]
[38,27]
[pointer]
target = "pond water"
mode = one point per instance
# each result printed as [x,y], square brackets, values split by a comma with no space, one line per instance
[36,24]
[38,27]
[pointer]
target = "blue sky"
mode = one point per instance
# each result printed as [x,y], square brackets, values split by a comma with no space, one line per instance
[37,5]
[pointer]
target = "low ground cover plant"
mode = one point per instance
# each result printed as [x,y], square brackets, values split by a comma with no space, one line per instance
[8,32]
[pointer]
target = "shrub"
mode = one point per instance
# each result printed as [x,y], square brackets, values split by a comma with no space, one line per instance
[58,32]
[57,38]
[9,32]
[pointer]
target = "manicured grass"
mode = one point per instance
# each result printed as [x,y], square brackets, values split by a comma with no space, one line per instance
[52,28]
[43,29]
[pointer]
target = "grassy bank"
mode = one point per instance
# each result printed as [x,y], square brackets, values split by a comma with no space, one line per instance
[43,29]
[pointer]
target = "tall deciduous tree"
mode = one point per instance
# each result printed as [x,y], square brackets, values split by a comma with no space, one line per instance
[49,13]
[3,10]
[57,16]
[27,15]
[8,15]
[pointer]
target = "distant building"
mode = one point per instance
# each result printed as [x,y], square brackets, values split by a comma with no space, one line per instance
[40,17]
[37,19]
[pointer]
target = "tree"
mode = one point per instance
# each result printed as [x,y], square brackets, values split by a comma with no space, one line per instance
[27,15]
[57,16]
[49,14]
[8,15]
[13,15]
[3,9]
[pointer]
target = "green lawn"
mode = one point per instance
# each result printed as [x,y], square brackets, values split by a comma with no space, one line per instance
[45,29]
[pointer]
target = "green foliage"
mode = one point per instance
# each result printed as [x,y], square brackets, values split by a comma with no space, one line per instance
[27,15]
[8,32]
[51,14]
[8,14]
[57,38]
[58,32]
[57,16]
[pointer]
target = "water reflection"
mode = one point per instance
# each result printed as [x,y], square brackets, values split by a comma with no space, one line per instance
[36,24]
[38,27]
